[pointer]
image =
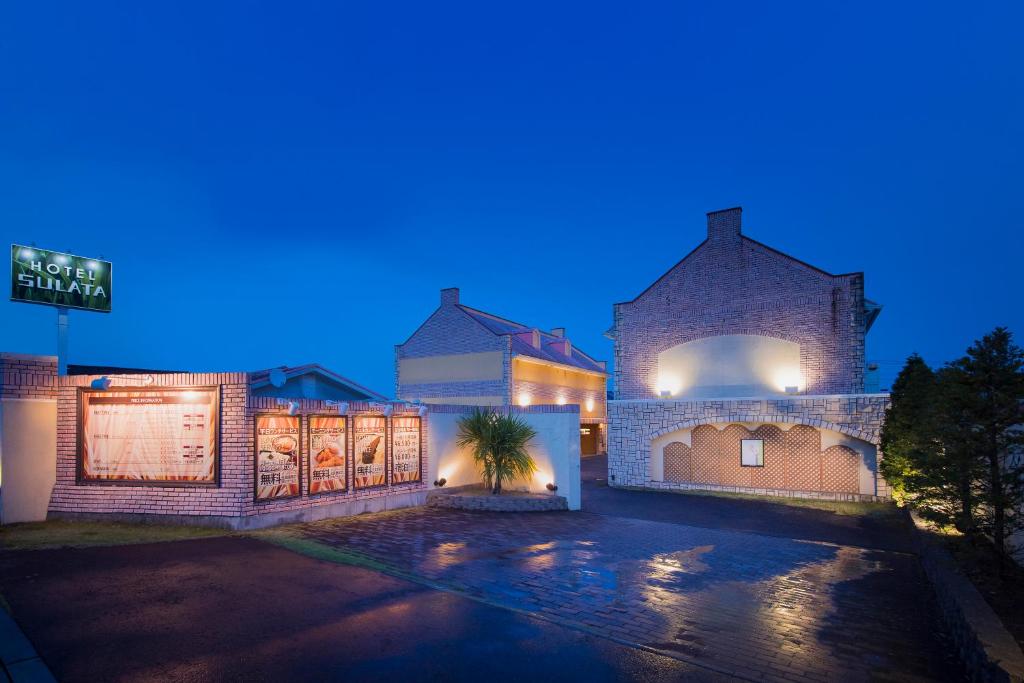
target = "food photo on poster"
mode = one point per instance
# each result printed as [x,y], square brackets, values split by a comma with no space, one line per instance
[327,453]
[405,450]
[277,457]
[154,436]
[368,433]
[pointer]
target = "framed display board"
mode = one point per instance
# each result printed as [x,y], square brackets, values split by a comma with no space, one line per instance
[406,449]
[149,436]
[752,452]
[327,453]
[369,434]
[278,473]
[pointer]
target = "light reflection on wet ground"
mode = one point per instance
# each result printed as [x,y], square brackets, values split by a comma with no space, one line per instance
[753,605]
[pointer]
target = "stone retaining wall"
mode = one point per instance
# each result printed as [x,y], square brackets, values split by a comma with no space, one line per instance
[476,498]
[633,426]
[984,645]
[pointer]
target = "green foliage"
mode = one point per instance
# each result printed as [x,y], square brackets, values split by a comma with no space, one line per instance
[907,437]
[498,443]
[953,440]
[993,380]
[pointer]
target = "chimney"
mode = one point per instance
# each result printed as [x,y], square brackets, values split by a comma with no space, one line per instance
[450,296]
[724,225]
[558,331]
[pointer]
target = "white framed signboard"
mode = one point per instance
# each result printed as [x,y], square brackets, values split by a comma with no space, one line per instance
[149,436]
[752,452]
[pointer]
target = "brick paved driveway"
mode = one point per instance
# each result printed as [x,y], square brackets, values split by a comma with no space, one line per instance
[750,605]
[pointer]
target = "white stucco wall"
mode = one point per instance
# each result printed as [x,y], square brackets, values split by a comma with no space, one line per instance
[28,458]
[728,366]
[555,450]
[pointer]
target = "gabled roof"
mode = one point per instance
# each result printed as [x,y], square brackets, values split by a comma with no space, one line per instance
[261,378]
[503,326]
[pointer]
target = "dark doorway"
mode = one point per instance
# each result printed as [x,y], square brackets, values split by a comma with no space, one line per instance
[588,439]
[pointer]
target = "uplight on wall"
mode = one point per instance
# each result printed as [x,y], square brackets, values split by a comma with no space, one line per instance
[789,380]
[524,398]
[590,405]
[668,386]
[560,400]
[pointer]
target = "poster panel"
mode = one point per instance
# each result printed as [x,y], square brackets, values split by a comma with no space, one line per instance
[752,452]
[328,448]
[405,449]
[136,435]
[277,456]
[368,433]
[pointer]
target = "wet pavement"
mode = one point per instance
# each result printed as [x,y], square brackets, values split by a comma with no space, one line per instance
[738,514]
[638,586]
[238,609]
[752,606]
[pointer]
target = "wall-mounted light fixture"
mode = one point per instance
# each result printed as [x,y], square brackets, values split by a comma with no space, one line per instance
[590,405]
[340,406]
[292,407]
[440,482]
[103,383]
[524,398]
[388,409]
[551,487]
[422,412]
[665,393]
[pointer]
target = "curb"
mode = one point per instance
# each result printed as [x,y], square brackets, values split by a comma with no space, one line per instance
[986,648]
[19,662]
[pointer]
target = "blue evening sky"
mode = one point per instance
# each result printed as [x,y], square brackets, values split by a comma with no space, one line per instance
[281,183]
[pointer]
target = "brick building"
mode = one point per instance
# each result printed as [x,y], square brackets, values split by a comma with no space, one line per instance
[42,440]
[461,355]
[743,368]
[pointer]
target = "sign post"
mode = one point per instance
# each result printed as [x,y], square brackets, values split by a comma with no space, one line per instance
[66,281]
[62,340]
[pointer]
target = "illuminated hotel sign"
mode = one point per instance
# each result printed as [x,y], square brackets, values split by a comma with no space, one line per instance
[54,278]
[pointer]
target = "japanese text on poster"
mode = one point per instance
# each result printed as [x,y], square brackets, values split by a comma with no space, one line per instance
[157,436]
[277,456]
[405,449]
[368,436]
[327,453]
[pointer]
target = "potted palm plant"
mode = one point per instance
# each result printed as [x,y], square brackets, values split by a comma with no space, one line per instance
[498,443]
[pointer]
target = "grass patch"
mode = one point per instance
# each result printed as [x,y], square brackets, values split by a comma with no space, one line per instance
[69,534]
[839,507]
[298,543]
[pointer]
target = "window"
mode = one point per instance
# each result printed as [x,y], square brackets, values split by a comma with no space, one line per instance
[752,452]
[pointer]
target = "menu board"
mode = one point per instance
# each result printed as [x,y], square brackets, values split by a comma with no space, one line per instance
[277,456]
[368,433]
[405,449]
[157,436]
[327,453]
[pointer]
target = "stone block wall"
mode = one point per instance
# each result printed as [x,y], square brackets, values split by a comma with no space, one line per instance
[731,284]
[634,425]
